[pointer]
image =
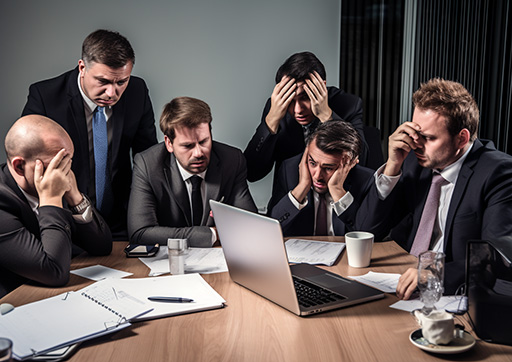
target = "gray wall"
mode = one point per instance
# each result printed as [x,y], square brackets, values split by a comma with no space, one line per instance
[225,52]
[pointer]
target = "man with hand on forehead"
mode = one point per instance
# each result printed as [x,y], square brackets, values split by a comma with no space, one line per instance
[41,208]
[441,185]
[300,101]
[318,192]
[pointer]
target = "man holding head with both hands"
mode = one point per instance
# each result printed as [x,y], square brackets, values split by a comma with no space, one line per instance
[300,101]
[42,210]
[318,192]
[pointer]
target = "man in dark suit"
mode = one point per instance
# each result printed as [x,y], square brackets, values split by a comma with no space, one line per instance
[174,180]
[38,227]
[299,102]
[108,115]
[325,181]
[473,199]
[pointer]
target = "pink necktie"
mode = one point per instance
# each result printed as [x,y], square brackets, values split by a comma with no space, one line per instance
[321,216]
[428,217]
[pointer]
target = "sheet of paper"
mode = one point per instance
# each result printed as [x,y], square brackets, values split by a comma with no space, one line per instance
[198,260]
[450,303]
[99,272]
[313,252]
[385,282]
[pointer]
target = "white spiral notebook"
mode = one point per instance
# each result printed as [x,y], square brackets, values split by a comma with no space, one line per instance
[65,319]
[101,308]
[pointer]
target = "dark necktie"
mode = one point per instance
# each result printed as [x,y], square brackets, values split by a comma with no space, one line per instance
[321,216]
[102,177]
[197,200]
[428,217]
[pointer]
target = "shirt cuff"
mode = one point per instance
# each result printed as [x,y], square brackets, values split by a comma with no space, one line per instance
[214,236]
[385,184]
[297,204]
[85,217]
[342,204]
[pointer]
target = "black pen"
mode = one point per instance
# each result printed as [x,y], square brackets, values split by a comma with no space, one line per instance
[171,299]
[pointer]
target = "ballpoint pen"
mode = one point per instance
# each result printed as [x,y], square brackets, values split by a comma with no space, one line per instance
[171,299]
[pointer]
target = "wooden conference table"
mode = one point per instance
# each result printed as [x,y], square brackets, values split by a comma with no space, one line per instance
[251,328]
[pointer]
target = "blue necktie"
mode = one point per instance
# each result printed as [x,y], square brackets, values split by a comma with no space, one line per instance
[103,188]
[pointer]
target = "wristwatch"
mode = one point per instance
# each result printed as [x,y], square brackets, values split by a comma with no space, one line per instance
[84,204]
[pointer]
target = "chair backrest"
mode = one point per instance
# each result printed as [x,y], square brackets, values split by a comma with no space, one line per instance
[375,155]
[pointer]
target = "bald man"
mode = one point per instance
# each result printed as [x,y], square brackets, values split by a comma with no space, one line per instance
[41,208]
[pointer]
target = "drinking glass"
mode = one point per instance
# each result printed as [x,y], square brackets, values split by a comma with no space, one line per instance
[430,279]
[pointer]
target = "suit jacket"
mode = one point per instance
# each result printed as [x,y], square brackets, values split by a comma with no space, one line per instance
[38,247]
[159,205]
[480,208]
[295,222]
[265,149]
[133,125]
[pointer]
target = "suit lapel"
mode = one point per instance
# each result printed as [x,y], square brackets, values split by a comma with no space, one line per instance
[213,179]
[117,119]
[177,187]
[465,174]
[76,109]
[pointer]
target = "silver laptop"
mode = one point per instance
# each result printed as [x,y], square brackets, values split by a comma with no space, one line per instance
[256,257]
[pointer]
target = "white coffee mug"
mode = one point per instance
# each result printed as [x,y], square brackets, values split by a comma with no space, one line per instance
[359,246]
[436,327]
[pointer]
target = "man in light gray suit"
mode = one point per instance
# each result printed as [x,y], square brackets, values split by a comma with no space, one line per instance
[174,180]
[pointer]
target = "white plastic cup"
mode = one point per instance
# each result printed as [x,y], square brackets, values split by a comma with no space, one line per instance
[177,249]
[359,246]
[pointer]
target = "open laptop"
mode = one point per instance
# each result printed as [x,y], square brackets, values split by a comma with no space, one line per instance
[256,257]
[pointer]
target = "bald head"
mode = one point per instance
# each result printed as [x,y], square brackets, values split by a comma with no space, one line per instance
[33,136]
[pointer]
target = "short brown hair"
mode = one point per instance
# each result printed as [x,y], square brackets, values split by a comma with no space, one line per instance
[107,47]
[184,112]
[451,100]
[337,137]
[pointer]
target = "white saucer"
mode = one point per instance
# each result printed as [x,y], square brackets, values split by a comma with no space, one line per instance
[457,345]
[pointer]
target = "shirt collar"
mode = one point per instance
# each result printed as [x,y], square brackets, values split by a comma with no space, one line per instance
[451,172]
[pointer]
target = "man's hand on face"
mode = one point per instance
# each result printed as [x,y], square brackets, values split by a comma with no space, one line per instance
[317,92]
[51,184]
[335,183]
[301,190]
[401,142]
[281,97]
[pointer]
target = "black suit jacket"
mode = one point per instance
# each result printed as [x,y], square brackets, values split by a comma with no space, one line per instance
[265,149]
[159,204]
[38,247]
[295,222]
[480,208]
[133,125]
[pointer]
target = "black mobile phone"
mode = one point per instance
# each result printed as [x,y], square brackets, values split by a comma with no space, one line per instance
[141,251]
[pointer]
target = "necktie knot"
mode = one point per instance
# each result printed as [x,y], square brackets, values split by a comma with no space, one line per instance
[196,182]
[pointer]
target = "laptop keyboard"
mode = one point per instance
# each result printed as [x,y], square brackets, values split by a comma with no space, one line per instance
[310,295]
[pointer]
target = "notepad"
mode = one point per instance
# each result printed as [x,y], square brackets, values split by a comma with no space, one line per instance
[191,286]
[53,323]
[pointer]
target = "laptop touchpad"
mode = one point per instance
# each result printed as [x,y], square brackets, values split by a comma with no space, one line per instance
[328,280]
